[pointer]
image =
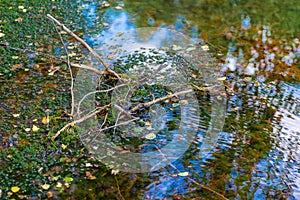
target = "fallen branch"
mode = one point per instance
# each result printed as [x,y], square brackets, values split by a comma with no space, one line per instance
[209,189]
[70,70]
[142,105]
[79,121]
[110,71]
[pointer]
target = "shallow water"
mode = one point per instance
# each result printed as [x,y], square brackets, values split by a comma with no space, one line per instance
[247,144]
[256,155]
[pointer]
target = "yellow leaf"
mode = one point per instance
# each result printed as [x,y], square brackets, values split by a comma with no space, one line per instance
[19,19]
[15,189]
[183,174]
[115,171]
[35,128]
[45,120]
[150,136]
[58,185]
[72,54]
[205,47]
[63,146]
[72,123]
[46,186]
[2,34]
[9,156]
[147,123]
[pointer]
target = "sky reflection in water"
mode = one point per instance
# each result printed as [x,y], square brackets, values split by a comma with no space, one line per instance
[277,171]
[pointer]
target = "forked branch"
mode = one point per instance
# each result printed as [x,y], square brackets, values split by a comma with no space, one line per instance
[110,71]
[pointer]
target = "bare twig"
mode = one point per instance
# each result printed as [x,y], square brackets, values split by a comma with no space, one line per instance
[120,124]
[70,70]
[141,105]
[94,92]
[79,120]
[110,71]
[118,187]
[209,189]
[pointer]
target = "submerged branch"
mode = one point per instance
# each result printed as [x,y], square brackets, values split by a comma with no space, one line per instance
[142,105]
[79,120]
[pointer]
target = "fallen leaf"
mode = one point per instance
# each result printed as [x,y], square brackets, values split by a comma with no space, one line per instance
[68,179]
[58,185]
[115,171]
[35,128]
[9,156]
[90,176]
[148,123]
[49,194]
[150,136]
[19,19]
[16,66]
[2,34]
[205,47]
[63,146]
[46,186]
[183,174]
[15,189]
[88,165]
[45,120]
[16,115]
[221,79]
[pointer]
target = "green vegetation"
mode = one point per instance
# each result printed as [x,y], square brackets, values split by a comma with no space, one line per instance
[35,98]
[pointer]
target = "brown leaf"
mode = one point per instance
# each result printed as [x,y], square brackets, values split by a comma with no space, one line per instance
[19,19]
[16,66]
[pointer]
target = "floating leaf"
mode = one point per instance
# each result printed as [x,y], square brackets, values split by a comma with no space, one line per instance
[46,186]
[90,176]
[183,174]
[68,179]
[63,146]
[15,189]
[205,47]
[19,19]
[115,171]
[175,104]
[45,120]
[16,115]
[148,123]
[35,128]
[150,136]
[58,185]
[221,79]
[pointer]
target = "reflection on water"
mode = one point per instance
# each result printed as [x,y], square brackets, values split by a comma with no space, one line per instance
[258,153]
